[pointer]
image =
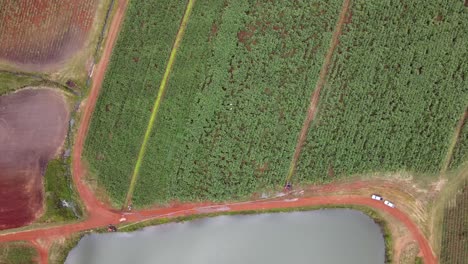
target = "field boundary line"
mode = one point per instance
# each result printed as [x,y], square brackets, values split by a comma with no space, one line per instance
[157,102]
[312,110]
[454,142]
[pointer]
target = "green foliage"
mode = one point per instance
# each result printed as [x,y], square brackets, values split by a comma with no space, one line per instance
[418,260]
[17,253]
[396,90]
[236,99]
[460,153]
[10,82]
[241,84]
[129,89]
[454,247]
[58,187]
[234,104]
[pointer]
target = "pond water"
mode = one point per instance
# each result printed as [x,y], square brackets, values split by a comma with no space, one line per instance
[331,236]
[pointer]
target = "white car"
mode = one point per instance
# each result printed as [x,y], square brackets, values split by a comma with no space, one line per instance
[377,197]
[389,204]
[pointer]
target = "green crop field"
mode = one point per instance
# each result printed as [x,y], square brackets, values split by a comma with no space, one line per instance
[239,89]
[17,253]
[129,89]
[455,228]
[395,93]
[460,154]
[233,107]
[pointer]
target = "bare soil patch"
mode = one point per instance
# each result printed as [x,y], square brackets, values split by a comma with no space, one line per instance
[33,126]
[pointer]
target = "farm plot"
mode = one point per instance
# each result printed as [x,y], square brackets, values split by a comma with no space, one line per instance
[43,32]
[17,252]
[455,228]
[460,153]
[236,99]
[395,92]
[130,87]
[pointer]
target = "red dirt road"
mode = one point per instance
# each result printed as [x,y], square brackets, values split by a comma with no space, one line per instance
[95,208]
[99,215]
[192,209]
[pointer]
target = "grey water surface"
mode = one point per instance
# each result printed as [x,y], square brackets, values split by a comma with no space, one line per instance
[329,236]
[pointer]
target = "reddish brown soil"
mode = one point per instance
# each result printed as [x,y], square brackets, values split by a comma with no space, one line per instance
[94,207]
[43,32]
[99,215]
[311,112]
[33,125]
[190,209]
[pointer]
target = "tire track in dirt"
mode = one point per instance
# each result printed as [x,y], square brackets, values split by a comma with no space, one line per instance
[162,88]
[312,110]
[454,142]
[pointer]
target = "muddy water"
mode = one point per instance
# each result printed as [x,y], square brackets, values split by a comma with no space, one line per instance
[333,236]
[33,125]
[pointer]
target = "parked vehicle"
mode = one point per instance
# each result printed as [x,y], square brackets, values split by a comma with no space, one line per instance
[377,197]
[389,204]
[111,228]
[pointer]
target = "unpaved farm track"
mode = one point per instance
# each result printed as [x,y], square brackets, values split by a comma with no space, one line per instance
[99,215]
[192,209]
[93,206]
[312,110]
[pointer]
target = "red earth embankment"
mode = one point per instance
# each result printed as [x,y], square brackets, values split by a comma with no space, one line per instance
[193,209]
[33,125]
[43,32]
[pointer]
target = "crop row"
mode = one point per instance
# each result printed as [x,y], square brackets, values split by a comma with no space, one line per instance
[460,153]
[455,229]
[129,89]
[236,99]
[33,32]
[234,104]
[396,90]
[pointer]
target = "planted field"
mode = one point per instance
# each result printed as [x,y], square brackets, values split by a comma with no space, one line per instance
[42,32]
[395,92]
[454,248]
[236,99]
[460,153]
[17,253]
[233,107]
[130,87]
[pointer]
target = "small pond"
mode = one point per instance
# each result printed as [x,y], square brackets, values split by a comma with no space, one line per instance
[329,236]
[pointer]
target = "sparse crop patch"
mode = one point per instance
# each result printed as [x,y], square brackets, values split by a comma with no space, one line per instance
[454,247]
[17,253]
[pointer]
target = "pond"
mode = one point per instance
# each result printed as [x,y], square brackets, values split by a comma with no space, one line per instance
[329,236]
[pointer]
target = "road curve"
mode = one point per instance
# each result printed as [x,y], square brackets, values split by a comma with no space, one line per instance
[193,209]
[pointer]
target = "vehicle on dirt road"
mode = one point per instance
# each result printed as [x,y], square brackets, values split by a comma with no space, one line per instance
[389,204]
[111,228]
[377,197]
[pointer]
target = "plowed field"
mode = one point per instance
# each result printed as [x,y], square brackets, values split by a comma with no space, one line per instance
[43,32]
